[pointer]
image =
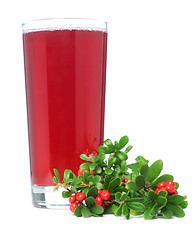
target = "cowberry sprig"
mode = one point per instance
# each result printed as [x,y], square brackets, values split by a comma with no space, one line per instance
[105,183]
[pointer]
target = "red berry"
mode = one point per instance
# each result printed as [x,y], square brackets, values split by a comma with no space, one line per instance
[72,199]
[105,195]
[99,192]
[80,171]
[176,192]
[170,188]
[98,200]
[161,185]
[80,196]
[170,183]
[157,191]
[73,206]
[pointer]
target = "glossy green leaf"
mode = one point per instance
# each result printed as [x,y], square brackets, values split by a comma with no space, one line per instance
[57,175]
[92,192]
[111,161]
[183,204]
[123,141]
[108,171]
[176,199]
[84,166]
[97,178]
[119,210]
[144,169]
[121,155]
[151,212]
[85,212]
[77,212]
[96,209]
[177,210]
[86,174]
[154,170]
[125,210]
[140,181]
[123,166]
[106,182]
[114,208]
[163,193]
[128,149]
[118,196]
[137,206]
[152,196]
[98,170]
[124,196]
[141,159]
[84,157]
[90,200]
[55,180]
[66,194]
[132,186]
[108,142]
[162,201]
[102,149]
[113,184]
[92,166]
[167,212]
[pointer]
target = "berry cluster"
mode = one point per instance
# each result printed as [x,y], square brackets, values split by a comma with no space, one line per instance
[102,198]
[168,186]
[80,172]
[76,200]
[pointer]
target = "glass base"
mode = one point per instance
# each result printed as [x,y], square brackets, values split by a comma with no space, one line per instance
[45,197]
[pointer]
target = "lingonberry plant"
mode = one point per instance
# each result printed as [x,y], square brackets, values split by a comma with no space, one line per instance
[107,184]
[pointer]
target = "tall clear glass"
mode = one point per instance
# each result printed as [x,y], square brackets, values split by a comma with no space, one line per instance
[65,75]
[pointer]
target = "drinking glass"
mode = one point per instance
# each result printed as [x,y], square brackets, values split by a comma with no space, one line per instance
[65,76]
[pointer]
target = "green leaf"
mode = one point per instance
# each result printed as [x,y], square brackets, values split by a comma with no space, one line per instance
[92,166]
[118,196]
[152,196]
[111,161]
[177,210]
[90,200]
[123,166]
[176,185]
[132,186]
[128,149]
[114,208]
[163,193]
[77,211]
[84,166]
[57,175]
[96,209]
[141,200]
[134,167]
[184,204]
[162,201]
[126,211]
[92,192]
[151,212]
[99,185]
[108,142]
[84,157]
[163,178]
[97,178]
[121,155]
[141,159]
[86,174]
[55,180]
[154,170]
[176,199]
[113,184]
[66,194]
[119,210]
[124,196]
[90,179]
[167,212]
[85,212]
[140,181]
[137,206]
[102,149]
[98,170]
[123,141]
[67,173]
[106,182]
[108,171]
[144,169]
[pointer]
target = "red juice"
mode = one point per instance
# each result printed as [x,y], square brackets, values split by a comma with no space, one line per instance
[65,73]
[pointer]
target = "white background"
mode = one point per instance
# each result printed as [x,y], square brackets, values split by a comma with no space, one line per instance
[150,97]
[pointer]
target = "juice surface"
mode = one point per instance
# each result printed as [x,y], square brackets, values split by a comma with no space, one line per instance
[65,73]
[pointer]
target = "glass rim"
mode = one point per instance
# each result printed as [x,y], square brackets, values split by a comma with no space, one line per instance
[64,23]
